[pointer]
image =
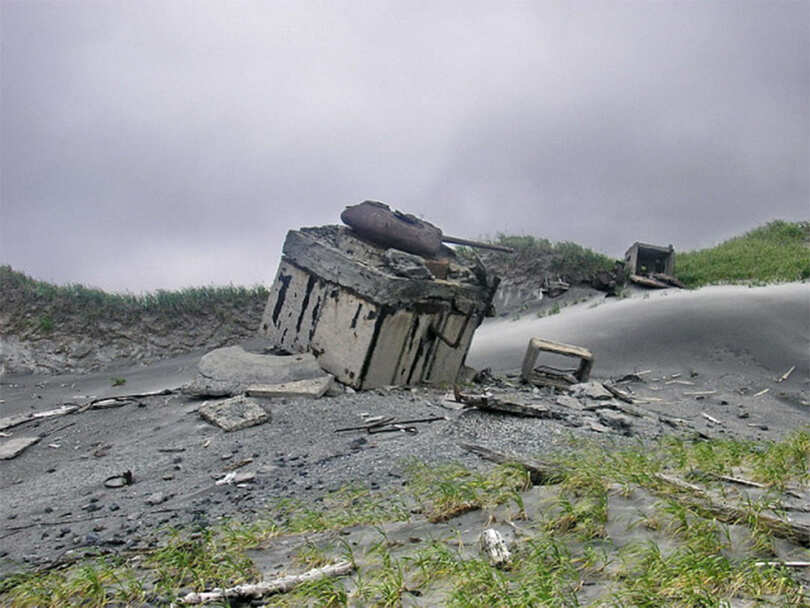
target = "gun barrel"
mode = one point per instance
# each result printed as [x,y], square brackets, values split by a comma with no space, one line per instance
[477,244]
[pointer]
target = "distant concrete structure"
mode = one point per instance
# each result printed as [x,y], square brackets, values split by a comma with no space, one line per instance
[643,259]
[374,316]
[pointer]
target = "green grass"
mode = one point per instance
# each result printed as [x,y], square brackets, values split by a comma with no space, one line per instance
[192,299]
[776,252]
[540,256]
[560,552]
[42,307]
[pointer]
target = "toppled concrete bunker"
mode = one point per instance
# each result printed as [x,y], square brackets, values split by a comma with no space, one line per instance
[375,316]
[642,259]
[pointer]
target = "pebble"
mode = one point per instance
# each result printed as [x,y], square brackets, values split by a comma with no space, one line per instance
[156,498]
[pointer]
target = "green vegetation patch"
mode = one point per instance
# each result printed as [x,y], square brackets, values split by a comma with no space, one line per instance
[776,252]
[535,256]
[563,554]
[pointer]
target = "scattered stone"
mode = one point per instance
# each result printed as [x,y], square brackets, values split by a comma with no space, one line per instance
[14,447]
[314,388]
[234,414]
[237,477]
[156,498]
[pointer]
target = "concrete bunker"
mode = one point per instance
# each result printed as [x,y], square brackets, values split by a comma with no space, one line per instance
[645,259]
[375,316]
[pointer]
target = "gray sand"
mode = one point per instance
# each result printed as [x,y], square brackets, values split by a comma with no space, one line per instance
[733,340]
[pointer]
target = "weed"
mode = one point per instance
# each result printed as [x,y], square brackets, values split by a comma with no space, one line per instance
[118,381]
[45,324]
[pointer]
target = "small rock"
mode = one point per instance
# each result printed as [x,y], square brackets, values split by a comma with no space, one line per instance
[156,498]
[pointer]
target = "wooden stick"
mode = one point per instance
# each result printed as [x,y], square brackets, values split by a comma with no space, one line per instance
[541,473]
[762,392]
[101,402]
[711,419]
[786,375]
[277,585]
[782,564]
[12,421]
[698,393]
[618,394]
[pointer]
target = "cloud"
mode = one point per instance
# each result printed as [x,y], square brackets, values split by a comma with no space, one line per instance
[153,145]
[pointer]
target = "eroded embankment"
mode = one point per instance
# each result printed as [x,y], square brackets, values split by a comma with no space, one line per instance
[52,329]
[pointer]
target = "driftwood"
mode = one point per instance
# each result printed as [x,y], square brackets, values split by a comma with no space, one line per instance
[119,400]
[648,282]
[711,419]
[277,585]
[541,473]
[494,545]
[669,279]
[786,375]
[728,513]
[12,421]
[511,403]
[617,393]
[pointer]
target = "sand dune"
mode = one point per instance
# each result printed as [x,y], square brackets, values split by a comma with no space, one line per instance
[757,328]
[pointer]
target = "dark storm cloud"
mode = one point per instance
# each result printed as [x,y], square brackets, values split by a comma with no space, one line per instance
[150,145]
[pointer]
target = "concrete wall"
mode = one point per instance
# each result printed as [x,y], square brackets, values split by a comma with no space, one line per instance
[366,328]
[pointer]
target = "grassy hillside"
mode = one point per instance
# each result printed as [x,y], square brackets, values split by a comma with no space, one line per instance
[53,329]
[54,303]
[776,252]
[536,258]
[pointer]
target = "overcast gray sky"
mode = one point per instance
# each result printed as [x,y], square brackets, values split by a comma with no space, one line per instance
[162,144]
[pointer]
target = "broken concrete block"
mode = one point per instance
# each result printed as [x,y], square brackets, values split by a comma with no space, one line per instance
[335,295]
[407,265]
[313,388]
[591,390]
[14,447]
[569,402]
[234,413]
[229,371]
[615,420]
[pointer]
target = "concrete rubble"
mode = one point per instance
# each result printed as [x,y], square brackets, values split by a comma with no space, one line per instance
[235,413]
[375,316]
[312,388]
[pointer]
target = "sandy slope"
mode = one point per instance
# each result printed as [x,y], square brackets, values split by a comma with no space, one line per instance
[757,329]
